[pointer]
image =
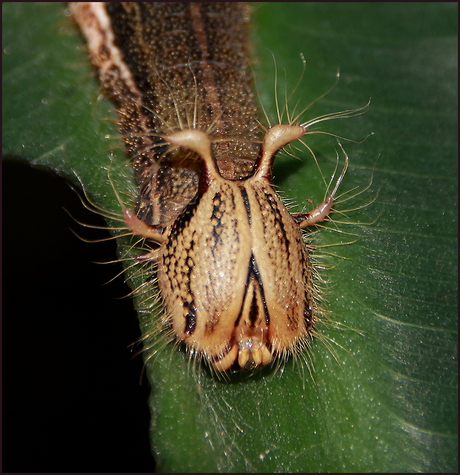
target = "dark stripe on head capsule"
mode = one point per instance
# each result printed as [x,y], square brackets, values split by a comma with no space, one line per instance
[190,320]
[244,195]
[255,269]
[254,312]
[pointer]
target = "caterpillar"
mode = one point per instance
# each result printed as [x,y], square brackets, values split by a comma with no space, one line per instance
[232,265]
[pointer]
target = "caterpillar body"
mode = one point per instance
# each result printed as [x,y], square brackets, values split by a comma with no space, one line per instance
[233,267]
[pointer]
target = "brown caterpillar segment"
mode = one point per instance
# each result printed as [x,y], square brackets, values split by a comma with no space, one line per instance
[234,271]
[171,66]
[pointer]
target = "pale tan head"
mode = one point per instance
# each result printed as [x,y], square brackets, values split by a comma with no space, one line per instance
[235,273]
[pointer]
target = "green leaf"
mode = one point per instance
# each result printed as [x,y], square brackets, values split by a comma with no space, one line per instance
[386,398]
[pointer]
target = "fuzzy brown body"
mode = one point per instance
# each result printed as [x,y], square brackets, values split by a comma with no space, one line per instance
[233,268]
[170,66]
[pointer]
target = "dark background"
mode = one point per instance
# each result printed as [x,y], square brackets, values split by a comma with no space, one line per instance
[72,400]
